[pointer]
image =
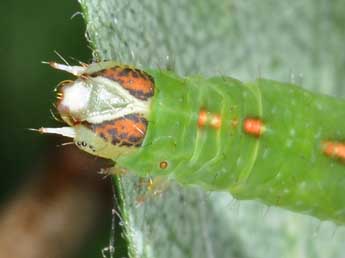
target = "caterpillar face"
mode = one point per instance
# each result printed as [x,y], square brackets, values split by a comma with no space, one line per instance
[107,107]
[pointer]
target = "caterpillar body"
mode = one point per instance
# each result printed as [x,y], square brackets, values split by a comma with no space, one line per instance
[263,140]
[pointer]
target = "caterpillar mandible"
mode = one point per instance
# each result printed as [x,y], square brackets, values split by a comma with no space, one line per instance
[263,140]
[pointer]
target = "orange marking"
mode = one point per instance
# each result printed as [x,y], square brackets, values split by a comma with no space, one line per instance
[163,165]
[128,130]
[207,119]
[216,121]
[253,126]
[202,119]
[137,82]
[334,149]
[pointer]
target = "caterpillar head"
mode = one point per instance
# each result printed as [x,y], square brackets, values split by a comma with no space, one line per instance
[106,108]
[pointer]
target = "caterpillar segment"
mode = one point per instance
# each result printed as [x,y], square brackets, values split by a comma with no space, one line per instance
[263,140]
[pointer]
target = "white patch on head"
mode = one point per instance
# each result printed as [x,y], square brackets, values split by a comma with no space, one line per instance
[76,97]
[97,99]
[110,100]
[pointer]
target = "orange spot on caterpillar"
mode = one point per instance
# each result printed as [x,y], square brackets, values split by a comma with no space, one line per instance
[128,130]
[253,126]
[334,149]
[216,121]
[163,165]
[208,119]
[202,119]
[137,82]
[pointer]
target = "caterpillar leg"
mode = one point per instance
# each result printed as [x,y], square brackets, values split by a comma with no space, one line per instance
[118,171]
[151,188]
[113,171]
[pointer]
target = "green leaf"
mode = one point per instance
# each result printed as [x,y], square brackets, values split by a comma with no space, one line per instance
[297,40]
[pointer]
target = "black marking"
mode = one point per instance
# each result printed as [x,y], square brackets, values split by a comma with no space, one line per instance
[124,72]
[135,74]
[112,132]
[115,141]
[118,134]
[134,139]
[123,136]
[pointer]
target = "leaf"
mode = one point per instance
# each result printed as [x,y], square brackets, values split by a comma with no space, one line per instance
[299,41]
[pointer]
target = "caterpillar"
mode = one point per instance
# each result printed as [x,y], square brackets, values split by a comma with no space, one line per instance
[264,140]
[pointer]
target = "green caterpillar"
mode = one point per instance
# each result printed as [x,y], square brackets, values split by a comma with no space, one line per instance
[265,140]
